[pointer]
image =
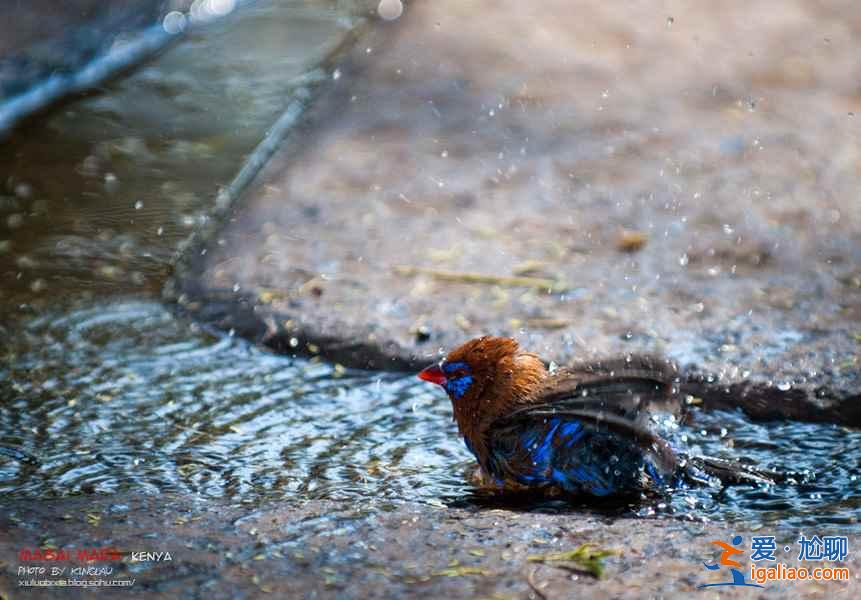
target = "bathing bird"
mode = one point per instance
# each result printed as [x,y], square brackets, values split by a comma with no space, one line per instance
[580,430]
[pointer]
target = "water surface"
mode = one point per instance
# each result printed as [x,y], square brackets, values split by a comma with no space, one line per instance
[126,396]
[111,392]
[96,197]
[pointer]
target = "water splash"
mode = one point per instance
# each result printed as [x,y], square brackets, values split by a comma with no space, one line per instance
[126,396]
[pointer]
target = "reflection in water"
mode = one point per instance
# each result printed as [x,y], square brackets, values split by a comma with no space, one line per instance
[97,196]
[126,396]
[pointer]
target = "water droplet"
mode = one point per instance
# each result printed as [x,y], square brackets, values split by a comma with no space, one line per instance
[670,22]
[23,190]
[174,22]
[784,386]
[221,7]
[111,182]
[390,9]
[139,205]
[14,220]
[684,260]
[236,287]
[336,74]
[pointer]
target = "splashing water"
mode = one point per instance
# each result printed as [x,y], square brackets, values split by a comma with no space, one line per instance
[126,396]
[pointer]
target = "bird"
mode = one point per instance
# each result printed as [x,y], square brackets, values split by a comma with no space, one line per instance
[578,430]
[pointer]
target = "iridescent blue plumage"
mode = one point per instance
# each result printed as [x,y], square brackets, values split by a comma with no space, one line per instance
[459,379]
[577,430]
[574,456]
[582,429]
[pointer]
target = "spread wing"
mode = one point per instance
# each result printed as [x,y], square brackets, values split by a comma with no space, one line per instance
[584,431]
[624,387]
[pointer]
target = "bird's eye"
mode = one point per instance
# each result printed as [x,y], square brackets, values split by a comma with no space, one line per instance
[456,370]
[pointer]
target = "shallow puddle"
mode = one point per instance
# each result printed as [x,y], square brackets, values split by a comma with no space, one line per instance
[97,196]
[126,396]
[110,394]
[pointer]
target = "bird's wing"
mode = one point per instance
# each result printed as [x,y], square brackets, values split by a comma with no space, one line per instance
[579,450]
[623,387]
[593,443]
[542,417]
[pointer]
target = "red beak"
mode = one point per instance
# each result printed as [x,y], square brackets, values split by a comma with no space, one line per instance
[433,374]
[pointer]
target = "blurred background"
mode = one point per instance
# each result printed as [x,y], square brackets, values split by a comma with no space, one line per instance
[693,171]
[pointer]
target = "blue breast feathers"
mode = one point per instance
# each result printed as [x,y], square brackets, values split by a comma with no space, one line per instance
[577,458]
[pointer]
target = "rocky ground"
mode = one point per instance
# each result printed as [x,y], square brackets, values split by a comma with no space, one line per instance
[588,178]
[328,550]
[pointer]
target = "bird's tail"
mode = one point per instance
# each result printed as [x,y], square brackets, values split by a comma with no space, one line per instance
[701,469]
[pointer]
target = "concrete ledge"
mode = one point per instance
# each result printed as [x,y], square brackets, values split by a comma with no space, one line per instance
[589,178]
[327,549]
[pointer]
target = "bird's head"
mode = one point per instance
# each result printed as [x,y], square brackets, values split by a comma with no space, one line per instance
[483,377]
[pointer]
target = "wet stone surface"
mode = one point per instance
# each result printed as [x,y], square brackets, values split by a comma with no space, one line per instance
[332,550]
[683,183]
[266,475]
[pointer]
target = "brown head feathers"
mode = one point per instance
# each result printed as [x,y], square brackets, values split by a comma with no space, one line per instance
[485,378]
[490,377]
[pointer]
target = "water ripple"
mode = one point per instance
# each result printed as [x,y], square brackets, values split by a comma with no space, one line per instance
[126,396]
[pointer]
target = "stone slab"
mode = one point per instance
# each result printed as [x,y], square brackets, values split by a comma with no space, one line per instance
[591,178]
[331,550]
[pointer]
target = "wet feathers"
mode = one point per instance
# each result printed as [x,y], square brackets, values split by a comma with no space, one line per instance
[581,430]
